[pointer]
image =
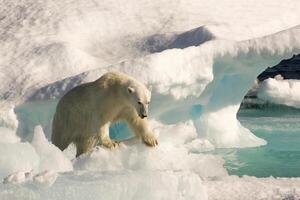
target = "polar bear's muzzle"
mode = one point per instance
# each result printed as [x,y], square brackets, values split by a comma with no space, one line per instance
[143,116]
[143,112]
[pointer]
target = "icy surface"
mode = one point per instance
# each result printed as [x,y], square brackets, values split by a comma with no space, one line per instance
[286,92]
[118,185]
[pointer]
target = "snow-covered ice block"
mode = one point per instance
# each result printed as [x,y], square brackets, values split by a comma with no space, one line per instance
[51,157]
[8,136]
[170,154]
[46,178]
[17,157]
[285,92]
[199,145]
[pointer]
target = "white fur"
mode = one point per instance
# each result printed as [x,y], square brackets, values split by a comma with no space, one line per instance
[83,115]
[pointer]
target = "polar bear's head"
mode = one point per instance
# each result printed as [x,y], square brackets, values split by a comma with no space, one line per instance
[139,98]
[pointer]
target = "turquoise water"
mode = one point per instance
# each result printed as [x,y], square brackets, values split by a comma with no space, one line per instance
[278,125]
[35,113]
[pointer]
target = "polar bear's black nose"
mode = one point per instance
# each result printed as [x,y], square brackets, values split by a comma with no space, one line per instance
[143,116]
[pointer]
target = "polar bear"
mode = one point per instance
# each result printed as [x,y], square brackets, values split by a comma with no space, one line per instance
[84,114]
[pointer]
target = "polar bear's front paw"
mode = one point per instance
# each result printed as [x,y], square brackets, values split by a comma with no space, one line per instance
[150,140]
[110,144]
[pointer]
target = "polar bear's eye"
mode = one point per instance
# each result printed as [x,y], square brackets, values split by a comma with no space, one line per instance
[140,103]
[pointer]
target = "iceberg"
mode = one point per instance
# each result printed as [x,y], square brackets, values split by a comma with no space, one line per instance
[215,75]
[285,92]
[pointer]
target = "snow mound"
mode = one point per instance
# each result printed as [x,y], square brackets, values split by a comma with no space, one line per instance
[51,157]
[285,92]
[17,157]
[171,154]
[8,136]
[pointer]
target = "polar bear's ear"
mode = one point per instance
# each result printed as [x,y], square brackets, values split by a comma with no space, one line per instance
[130,90]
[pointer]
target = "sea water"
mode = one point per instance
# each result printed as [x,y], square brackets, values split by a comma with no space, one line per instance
[278,125]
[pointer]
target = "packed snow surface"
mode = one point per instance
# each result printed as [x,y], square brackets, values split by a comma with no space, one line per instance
[200,58]
[170,171]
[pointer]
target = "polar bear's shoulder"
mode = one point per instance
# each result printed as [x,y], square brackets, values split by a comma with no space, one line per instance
[112,78]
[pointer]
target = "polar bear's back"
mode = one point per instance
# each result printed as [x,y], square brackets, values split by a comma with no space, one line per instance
[113,78]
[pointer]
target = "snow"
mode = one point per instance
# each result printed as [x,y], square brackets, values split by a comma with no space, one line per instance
[105,173]
[199,145]
[17,157]
[17,177]
[89,186]
[8,136]
[171,154]
[46,178]
[285,92]
[51,158]
[43,179]
[249,188]
[153,185]
[134,171]
[39,156]
[199,57]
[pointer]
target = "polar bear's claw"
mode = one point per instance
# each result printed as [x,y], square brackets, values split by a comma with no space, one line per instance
[110,144]
[150,141]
